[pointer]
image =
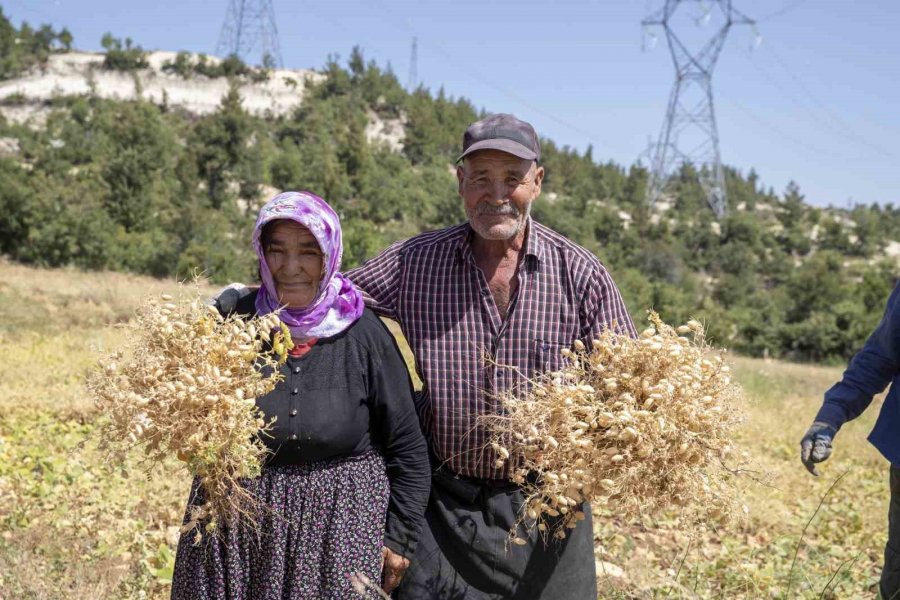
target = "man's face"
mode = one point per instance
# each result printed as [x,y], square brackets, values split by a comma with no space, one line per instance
[498,190]
[296,262]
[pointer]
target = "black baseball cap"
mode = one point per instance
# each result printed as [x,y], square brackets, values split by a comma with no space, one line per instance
[502,132]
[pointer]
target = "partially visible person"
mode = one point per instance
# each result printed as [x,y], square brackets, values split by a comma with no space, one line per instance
[870,371]
[346,484]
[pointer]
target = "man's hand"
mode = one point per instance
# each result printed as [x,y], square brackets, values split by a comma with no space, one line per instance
[815,446]
[394,568]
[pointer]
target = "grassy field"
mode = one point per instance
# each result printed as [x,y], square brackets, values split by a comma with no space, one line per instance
[72,526]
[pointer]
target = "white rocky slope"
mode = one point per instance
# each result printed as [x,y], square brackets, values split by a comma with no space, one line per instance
[75,73]
[25,99]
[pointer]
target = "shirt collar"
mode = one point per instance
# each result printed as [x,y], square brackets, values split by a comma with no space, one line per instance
[534,249]
[535,244]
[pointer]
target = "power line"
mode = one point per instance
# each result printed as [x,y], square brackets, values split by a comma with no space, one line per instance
[363,41]
[798,142]
[849,131]
[783,11]
[771,80]
[833,122]
[313,9]
[476,75]
[413,81]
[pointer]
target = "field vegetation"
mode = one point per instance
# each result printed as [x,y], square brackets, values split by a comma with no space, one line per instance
[139,187]
[73,526]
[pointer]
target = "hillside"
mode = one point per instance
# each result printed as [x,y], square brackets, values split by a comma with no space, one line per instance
[154,163]
[29,98]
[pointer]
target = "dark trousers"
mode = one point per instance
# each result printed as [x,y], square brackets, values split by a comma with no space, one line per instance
[465,552]
[890,575]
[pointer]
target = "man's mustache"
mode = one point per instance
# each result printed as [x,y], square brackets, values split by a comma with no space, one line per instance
[503,209]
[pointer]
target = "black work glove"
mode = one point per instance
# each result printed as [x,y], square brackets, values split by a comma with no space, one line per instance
[815,447]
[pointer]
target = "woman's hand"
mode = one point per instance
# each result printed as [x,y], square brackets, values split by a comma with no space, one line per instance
[394,568]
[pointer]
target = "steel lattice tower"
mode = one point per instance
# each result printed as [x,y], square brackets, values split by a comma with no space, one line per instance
[249,27]
[413,66]
[689,134]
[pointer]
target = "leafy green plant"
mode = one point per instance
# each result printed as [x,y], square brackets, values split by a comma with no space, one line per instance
[122,55]
[25,47]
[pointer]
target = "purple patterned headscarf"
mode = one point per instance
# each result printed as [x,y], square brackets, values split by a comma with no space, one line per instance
[338,303]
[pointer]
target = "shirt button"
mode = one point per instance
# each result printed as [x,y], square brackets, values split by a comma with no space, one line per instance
[293,437]
[296,370]
[294,412]
[295,391]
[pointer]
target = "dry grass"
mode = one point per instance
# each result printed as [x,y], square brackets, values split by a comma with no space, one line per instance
[59,300]
[71,527]
[54,323]
[655,558]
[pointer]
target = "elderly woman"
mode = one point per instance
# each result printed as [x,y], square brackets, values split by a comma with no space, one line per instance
[348,479]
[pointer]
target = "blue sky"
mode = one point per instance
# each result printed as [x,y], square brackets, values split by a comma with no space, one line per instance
[816,102]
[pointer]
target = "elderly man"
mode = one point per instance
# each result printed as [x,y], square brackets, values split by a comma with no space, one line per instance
[485,305]
[870,371]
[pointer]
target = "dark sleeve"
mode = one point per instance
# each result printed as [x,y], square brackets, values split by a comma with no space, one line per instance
[378,279]
[869,372]
[236,298]
[397,433]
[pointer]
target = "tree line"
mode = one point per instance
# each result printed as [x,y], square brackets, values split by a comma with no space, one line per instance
[139,187]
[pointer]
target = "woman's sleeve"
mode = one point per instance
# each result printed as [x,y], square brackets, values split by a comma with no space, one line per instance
[397,432]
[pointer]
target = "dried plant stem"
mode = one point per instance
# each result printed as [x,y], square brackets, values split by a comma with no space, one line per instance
[687,552]
[805,528]
[850,562]
[362,585]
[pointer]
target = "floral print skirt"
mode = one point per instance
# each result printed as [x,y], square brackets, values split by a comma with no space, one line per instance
[324,521]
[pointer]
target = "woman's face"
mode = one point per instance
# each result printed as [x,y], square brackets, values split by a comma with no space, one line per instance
[296,262]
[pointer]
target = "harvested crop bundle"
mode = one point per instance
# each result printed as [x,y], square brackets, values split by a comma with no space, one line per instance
[184,384]
[633,424]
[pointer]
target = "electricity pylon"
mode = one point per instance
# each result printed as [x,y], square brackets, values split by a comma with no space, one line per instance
[689,134]
[413,81]
[250,26]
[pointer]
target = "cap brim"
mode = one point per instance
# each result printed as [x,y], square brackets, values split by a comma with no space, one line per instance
[501,144]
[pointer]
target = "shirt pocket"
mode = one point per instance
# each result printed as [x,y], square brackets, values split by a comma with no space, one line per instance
[547,355]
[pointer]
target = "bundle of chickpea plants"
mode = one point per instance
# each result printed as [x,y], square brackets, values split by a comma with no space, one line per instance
[184,384]
[635,425]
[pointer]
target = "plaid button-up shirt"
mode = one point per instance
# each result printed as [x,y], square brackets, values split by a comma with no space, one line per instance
[465,353]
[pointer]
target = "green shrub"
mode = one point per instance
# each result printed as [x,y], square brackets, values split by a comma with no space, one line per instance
[122,56]
[22,48]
